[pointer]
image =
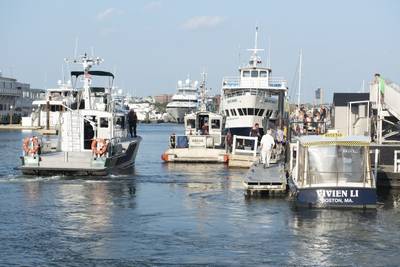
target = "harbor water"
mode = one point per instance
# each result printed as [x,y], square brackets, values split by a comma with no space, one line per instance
[167,214]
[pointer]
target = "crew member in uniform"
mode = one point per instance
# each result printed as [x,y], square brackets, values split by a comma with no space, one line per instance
[132,120]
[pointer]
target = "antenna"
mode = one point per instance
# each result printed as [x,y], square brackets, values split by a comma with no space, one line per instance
[299,90]
[92,49]
[62,73]
[269,52]
[76,47]
[240,57]
[254,59]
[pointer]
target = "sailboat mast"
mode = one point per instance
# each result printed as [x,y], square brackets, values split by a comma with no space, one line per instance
[299,89]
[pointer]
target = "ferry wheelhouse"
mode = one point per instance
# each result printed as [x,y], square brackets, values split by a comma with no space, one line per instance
[332,171]
[253,97]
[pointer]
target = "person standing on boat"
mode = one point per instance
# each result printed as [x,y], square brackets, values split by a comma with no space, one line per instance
[132,120]
[267,143]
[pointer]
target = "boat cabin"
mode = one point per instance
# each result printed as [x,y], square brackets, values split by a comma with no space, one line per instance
[205,123]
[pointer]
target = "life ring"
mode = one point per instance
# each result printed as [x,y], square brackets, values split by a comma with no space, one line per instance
[99,146]
[31,145]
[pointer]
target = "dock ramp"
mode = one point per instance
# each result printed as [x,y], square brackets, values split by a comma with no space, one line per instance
[269,181]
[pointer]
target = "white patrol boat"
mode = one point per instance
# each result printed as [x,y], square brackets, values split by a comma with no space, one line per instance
[332,171]
[92,139]
[253,97]
[203,140]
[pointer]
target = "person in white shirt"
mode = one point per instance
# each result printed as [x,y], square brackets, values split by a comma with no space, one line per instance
[267,143]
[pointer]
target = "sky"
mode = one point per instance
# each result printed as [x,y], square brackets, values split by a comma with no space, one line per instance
[150,45]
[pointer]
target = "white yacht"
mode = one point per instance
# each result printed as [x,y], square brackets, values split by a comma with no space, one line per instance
[184,101]
[92,139]
[47,112]
[252,97]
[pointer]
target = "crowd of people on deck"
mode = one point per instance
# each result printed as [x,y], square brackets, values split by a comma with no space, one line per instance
[312,121]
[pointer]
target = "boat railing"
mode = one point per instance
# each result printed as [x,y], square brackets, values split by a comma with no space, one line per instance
[234,82]
[244,145]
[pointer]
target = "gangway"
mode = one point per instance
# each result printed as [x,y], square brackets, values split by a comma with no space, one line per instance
[385,99]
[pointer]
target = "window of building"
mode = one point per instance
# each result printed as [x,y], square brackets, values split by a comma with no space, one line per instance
[263,74]
[254,73]
[215,124]
[103,122]
[246,73]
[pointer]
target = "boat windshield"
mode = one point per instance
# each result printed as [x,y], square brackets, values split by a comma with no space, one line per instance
[337,164]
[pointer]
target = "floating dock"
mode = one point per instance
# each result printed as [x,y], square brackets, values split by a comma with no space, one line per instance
[270,180]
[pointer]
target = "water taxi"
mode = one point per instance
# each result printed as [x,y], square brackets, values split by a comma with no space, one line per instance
[332,170]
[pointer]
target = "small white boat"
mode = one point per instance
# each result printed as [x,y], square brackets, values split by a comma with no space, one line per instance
[92,137]
[332,171]
[202,141]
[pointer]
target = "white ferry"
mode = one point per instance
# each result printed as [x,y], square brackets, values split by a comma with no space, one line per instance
[332,171]
[184,101]
[92,139]
[252,97]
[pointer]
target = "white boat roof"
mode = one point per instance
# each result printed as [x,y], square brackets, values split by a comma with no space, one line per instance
[335,138]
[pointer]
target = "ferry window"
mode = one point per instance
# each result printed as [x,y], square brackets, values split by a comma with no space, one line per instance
[254,73]
[103,122]
[227,112]
[263,74]
[244,111]
[251,111]
[246,73]
[256,111]
[233,112]
[261,112]
[240,111]
[191,123]
[215,124]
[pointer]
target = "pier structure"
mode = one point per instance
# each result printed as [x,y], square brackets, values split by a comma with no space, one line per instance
[379,118]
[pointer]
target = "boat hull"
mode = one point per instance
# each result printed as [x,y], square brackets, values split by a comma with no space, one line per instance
[61,163]
[334,197]
[178,113]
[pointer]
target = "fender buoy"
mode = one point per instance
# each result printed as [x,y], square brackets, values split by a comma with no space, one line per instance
[31,145]
[164,157]
[99,146]
[226,158]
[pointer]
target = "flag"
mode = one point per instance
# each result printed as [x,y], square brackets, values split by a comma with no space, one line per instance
[381,85]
